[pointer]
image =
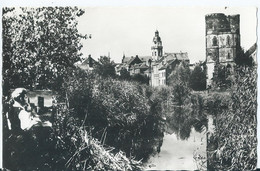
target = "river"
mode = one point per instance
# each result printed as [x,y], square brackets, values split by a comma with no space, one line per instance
[184,143]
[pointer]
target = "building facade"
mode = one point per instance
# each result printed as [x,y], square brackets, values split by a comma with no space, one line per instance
[162,68]
[162,65]
[157,67]
[222,41]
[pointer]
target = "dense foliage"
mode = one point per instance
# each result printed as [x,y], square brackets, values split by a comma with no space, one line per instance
[215,101]
[124,74]
[127,115]
[179,81]
[122,114]
[39,45]
[222,77]
[198,79]
[140,78]
[243,58]
[76,149]
[235,131]
[105,67]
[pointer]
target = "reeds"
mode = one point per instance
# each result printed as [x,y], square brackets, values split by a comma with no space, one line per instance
[92,155]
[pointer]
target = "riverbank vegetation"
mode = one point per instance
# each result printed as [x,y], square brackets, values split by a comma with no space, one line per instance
[123,114]
[234,141]
[40,49]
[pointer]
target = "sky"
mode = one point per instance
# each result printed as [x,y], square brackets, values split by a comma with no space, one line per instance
[130,30]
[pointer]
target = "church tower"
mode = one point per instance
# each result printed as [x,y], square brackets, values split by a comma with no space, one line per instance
[222,41]
[157,48]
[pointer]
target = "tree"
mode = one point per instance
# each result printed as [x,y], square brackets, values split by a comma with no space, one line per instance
[124,74]
[179,81]
[106,67]
[39,44]
[181,74]
[141,78]
[221,77]
[198,79]
[243,58]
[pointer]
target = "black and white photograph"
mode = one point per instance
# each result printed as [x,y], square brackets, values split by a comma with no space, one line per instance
[129,88]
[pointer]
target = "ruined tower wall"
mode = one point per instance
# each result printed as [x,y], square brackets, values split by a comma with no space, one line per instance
[222,40]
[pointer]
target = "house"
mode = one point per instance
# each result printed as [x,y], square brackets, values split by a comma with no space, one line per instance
[192,66]
[157,67]
[146,59]
[163,67]
[128,63]
[181,56]
[88,64]
[118,68]
[139,68]
[42,101]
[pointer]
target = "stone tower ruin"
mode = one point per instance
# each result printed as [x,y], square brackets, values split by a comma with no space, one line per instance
[222,41]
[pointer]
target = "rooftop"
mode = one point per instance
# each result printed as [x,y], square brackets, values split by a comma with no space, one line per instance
[178,56]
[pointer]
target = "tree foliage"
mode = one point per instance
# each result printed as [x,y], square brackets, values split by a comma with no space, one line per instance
[222,76]
[124,74]
[106,67]
[181,74]
[39,45]
[179,81]
[243,58]
[141,78]
[198,79]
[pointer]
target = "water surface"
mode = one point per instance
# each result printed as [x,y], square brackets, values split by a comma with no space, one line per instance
[184,142]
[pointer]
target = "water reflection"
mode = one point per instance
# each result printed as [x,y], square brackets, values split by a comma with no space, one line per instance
[160,141]
[140,143]
[180,121]
[184,140]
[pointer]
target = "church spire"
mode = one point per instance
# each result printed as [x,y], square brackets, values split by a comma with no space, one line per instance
[157,46]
